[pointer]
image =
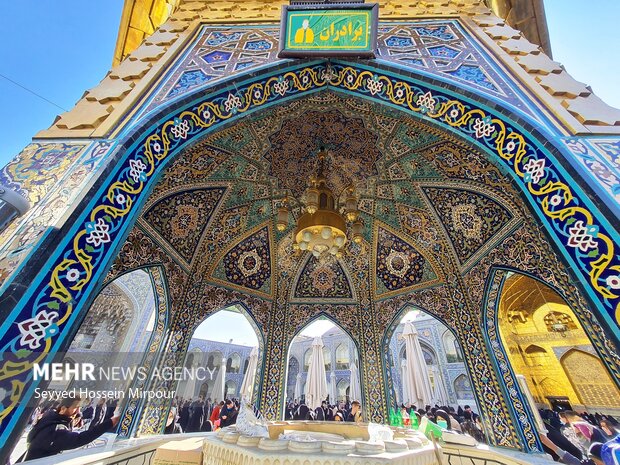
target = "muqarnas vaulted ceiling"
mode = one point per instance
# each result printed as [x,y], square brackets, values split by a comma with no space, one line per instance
[422,195]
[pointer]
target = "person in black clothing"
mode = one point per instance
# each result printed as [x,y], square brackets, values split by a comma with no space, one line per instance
[228,414]
[196,412]
[184,416]
[53,432]
[100,414]
[110,408]
[303,412]
[329,413]
[474,415]
[355,414]
[469,426]
[89,411]
[321,412]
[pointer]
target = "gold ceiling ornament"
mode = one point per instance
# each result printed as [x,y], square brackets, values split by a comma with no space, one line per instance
[322,228]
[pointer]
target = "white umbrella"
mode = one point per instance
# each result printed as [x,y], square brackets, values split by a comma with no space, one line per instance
[418,384]
[316,383]
[250,376]
[217,394]
[298,390]
[355,390]
[439,393]
[333,392]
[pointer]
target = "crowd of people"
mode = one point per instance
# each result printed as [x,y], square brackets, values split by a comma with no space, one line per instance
[87,417]
[461,419]
[580,439]
[349,411]
[193,416]
[68,424]
[571,438]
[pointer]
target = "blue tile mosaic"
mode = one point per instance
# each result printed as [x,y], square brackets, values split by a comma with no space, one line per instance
[258,45]
[396,41]
[473,74]
[443,51]
[188,80]
[216,56]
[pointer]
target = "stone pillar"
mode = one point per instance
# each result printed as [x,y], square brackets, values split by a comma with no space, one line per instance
[274,373]
[504,426]
[372,375]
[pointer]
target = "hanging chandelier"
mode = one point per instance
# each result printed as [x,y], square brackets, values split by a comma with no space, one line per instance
[322,228]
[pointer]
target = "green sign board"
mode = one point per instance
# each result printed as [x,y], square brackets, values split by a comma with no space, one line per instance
[323,31]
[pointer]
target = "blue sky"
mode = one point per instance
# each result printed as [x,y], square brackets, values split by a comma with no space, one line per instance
[56,48]
[61,48]
[224,326]
[240,330]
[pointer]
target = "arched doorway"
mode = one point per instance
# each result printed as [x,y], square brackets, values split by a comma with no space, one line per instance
[590,380]
[381,201]
[463,390]
[339,351]
[444,368]
[125,327]
[546,343]
[122,333]
[233,363]
[224,341]
[218,346]
[344,389]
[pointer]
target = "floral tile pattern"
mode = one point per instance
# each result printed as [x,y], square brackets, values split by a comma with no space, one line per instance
[327,280]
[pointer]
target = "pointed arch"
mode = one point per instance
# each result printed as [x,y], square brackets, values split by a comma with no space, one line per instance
[535,355]
[293,369]
[307,352]
[463,389]
[430,357]
[393,371]
[501,360]
[307,355]
[233,363]
[155,415]
[589,379]
[321,315]
[344,388]
[493,291]
[143,142]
